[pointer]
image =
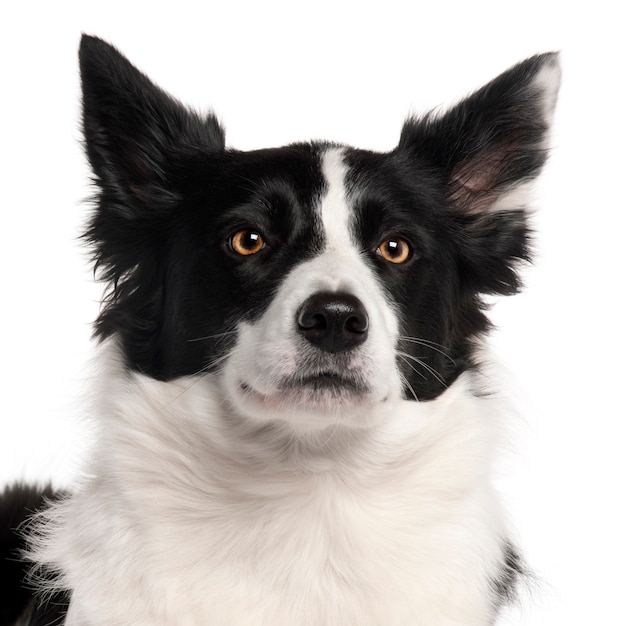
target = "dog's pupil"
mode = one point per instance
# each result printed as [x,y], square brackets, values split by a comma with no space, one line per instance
[251,239]
[393,247]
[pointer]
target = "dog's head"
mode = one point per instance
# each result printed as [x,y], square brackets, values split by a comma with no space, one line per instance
[316,282]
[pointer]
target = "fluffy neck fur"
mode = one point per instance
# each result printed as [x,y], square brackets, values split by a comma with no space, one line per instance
[189,517]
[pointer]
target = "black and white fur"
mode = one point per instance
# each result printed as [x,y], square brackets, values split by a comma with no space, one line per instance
[298,432]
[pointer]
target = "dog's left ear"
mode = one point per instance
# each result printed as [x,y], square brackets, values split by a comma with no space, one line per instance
[487,150]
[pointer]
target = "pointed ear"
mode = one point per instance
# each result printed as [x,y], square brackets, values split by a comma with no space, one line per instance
[492,144]
[135,133]
[486,151]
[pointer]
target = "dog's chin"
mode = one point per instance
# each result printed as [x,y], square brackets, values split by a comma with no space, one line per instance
[314,402]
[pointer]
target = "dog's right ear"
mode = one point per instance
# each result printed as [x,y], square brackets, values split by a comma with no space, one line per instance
[135,133]
[141,144]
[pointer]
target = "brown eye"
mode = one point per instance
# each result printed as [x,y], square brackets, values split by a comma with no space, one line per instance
[246,242]
[394,250]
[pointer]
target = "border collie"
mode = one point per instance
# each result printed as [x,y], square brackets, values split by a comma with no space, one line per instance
[295,428]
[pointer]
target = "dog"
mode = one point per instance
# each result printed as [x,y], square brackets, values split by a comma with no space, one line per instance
[295,424]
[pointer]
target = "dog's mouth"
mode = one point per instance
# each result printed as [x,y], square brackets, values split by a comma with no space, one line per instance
[320,390]
[328,381]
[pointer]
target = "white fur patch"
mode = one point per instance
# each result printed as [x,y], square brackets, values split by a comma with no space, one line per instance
[516,197]
[547,82]
[194,517]
[334,209]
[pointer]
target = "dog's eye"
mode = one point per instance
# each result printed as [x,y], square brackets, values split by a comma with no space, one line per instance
[394,250]
[246,242]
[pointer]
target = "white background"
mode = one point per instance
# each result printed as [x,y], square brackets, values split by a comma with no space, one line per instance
[347,71]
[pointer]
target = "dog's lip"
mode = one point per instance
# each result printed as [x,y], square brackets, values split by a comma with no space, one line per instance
[324,385]
[324,381]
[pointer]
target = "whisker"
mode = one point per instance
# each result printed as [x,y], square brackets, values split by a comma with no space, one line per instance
[423,341]
[437,347]
[402,356]
[405,381]
[427,367]
[228,332]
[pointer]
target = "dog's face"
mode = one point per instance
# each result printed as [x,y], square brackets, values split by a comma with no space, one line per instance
[322,341]
[318,283]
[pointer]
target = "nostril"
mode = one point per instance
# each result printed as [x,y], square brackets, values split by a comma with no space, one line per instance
[357,323]
[334,322]
[308,320]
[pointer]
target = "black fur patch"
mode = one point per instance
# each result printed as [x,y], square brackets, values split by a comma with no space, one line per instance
[17,504]
[512,572]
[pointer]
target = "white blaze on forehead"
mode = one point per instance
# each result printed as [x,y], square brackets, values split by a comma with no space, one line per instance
[334,208]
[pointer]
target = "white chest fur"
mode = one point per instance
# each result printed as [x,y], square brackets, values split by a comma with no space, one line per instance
[193,518]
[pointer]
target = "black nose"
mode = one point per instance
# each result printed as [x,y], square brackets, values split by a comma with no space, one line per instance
[334,322]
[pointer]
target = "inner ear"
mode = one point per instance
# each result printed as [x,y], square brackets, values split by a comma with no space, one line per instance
[488,180]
